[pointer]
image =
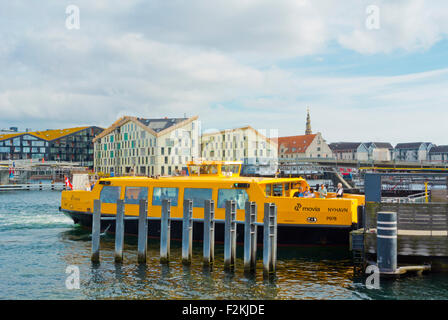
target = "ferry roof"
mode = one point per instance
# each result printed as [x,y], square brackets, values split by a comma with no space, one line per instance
[206,178]
[209,162]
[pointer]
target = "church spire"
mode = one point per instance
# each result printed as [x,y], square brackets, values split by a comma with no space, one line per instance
[308,123]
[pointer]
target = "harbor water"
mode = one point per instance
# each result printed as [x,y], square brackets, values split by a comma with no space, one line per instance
[38,244]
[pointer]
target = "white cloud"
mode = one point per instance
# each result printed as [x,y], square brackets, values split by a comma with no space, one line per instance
[167,58]
[405,25]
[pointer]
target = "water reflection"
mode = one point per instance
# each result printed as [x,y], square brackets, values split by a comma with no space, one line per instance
[302,273]
[119,272]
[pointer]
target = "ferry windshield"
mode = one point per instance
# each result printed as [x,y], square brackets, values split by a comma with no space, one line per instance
[194,170]
[209,169]
[233,168]
[203,169]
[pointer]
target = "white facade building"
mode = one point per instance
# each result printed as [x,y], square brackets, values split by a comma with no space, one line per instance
[303,146]
[242,144]
[147,146]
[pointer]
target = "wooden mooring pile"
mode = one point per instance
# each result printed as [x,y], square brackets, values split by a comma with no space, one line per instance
[230,226]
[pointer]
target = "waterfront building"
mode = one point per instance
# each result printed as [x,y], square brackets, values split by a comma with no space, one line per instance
[308,145]
[379,151]
[142,146]
[363,151]
[438,154]
[412,152]
[303,146]
[241,144]
[349,151]
[65,145]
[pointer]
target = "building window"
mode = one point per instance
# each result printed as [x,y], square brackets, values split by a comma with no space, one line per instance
[38,143]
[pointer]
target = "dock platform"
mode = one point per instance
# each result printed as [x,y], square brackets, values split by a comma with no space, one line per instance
[422,235]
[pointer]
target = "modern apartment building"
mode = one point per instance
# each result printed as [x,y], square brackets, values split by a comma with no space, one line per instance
[241,144]
[70,145]
[142,146]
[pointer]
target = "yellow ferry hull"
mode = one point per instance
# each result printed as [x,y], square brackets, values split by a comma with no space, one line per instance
[299,219]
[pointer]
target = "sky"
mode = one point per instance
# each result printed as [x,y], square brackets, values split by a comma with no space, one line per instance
[367,70]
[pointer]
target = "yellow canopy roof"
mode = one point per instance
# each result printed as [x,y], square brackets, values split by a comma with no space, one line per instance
[47,135]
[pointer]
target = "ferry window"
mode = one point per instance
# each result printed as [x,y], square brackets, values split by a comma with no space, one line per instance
[296,185]
[239,195]
[286,186]
[278,190]
[110,194]
[133,195]
[268,190]
[198,196]
[164,193]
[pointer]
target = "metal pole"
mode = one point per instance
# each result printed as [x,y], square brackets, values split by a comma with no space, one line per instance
[142,246]
[269,238]
[209,232]
[96,226]
[187,232]
[230,235]
[387,242]
[273,235]
[250,237]
[165,231]
[119,231]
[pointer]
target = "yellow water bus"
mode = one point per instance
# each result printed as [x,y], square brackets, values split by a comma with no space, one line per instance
[300,220]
